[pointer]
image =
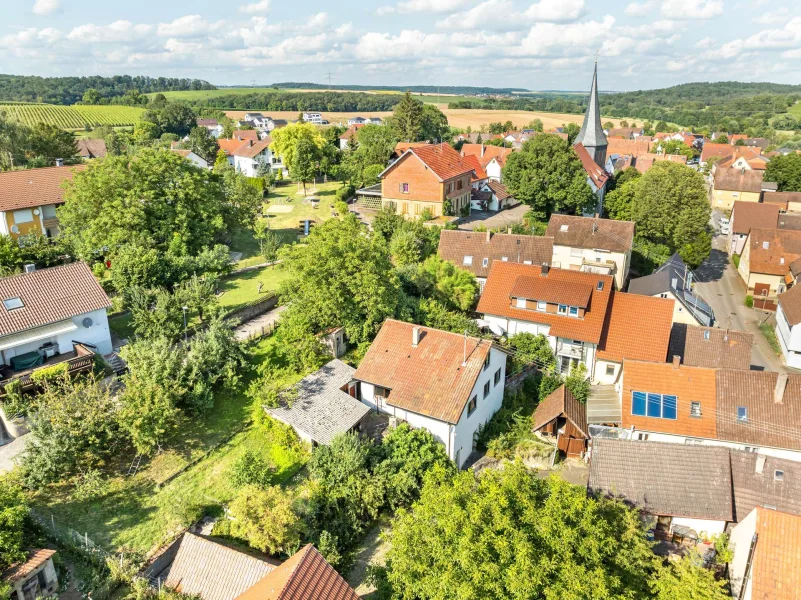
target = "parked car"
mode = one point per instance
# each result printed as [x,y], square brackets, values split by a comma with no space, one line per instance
[724,226]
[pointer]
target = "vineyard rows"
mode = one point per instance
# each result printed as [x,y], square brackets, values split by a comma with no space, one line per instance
[73,117]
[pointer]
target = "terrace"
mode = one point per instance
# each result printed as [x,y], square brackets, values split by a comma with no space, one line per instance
[79,360]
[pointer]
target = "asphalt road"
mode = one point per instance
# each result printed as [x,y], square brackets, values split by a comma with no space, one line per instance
[718,283]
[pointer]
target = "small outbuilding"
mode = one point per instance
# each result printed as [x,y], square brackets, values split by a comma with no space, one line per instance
[563,417]
[325,405]
[34,578]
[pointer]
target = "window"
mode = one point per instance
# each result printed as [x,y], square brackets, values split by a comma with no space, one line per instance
[563,228]
[23,216]
[658,406]
[486,389]
[485,262]
[695,409]
[765,245]
[610,369]
[521,303]
[12,303]
[574,311]
[497,377]
[663,295]
[459,185]
[542,305]
[504,258]
[405,188]
[742,414]
[562,309]
[778,475]
[468,260]
[600,286]
[706,334]
[471,406]
[487,362]
[643,437]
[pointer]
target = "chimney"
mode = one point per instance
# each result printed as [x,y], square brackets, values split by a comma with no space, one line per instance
[415,336]
[59,162]
[760,464]
[489,235]
[30,268]
[482,149]
[676,361]
[778,392]
[544,269]
[509,230]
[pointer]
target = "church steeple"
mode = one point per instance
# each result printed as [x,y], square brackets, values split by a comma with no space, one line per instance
[591,134]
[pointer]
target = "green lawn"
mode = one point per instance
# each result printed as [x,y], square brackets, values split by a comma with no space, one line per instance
[795,110]
[122,325]
[139,514]
[242,288]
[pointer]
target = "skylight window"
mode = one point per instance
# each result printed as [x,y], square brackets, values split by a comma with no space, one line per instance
[12,303]
[742,414]
[563,228]
[600,286]
[778,475]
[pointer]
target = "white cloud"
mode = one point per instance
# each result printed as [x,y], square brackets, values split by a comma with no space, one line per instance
[188,26]
[707,42]
[772,18]
[553,40]
[556,11]
[116,32]
[423,6]
[486,15]
[46,7]
[691,9]
[639,9]
[253,8]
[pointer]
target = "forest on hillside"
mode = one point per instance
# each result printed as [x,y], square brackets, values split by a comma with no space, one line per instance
[69,90]
[300,101]
[416,89]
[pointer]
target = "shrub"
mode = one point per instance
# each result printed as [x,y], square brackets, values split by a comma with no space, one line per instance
[251,469]
[426,215]
[749,301]
[265,518]
[341,207]
[49,374]
[15,403]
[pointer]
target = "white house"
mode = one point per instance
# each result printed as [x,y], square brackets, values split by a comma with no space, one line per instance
[192,157]
[788,326]
[491,195]
[314,118]
[568,307]
[592,245]
[444,382]
[356,121]
[250,157]
[212,125]
[50,316]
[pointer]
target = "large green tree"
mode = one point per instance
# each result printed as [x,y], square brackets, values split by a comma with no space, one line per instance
[305,161]
[687,579]
[408,118]
[156,197]
[510,534]
[202,143]
[13,512]
[341,276]
[286,139]
[548,176]
[433,125]
[785,171]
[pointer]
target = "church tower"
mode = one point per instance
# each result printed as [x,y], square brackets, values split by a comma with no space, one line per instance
[592,135]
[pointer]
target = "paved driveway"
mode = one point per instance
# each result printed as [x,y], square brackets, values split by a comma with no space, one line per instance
[722,288]
[492,220]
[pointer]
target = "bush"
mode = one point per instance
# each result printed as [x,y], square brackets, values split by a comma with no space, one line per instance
[344,193]
[342,208]
[426,215]
[749,301]
[251,469]
[50,374]
[735,259]
[265,518]
[15,402]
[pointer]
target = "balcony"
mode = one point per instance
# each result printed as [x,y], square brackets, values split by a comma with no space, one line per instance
[576,351]
[78,361]
[606,267]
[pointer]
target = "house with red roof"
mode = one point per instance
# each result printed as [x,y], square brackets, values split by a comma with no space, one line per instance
[431,177]
[491,158]
[447,383]
[251,158]
[350,133]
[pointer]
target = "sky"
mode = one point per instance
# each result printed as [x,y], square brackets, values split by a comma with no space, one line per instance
[540,45]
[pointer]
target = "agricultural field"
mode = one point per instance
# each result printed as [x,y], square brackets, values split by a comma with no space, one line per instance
[73,117]
[795,110]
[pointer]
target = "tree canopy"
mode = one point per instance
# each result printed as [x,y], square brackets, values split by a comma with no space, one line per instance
[785,171]
[286,141]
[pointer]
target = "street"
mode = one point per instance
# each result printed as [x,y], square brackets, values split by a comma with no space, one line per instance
[719,285]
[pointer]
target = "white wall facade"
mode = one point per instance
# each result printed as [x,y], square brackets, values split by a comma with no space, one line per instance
[458,439]
[740,540]
[568,257]
[98,334]
[794,455]
[493,170]
[789,339]
[250,166]
[601,377]
[708,526]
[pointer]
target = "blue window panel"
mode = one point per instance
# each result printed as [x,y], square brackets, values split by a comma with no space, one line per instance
[638,403]
[655,405]
[669,407]
[742,414]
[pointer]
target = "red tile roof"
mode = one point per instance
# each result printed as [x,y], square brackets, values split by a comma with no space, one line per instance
[634,147]
[442,159]
[471,161]
[783,247]
[790,301]
[304,576]
[428,379]
[597,175]
[485,154]
[570,293]
[252,149]
[92,148]
[454,245]
[646,161]
[496,300]
[350,131]
[246,134]
[738,180]
[748,215]
[636,328]
[21,570]
[230,146]
[50,295]
[499,189]
[719,150]
[591,233]
[34,187]
[776,570]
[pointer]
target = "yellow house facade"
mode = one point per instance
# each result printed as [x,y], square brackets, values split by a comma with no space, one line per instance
[735,185]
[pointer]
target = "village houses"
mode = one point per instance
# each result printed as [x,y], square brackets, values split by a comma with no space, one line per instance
[732,185]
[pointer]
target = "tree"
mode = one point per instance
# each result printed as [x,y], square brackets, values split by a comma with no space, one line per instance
[145,132]
[548,176]
[198,294]
[785,171]
[305,161]
[785,122]
[172,118]
[408,118]
[147,413]
[678,147]
[152,197]
[617,203]
[286,139]
[670,205]
[535,538]
[269,240]
[609,125]
[221,161]
[92,96]
[722,139]
[136,265]
[49,142]
[685,579]
[10,256]
[433,124]
[13,514]
[264,517]
[445,282]
[572,131]
[578,382]
[531,350]
[536,125]
[202,143]
[342,276]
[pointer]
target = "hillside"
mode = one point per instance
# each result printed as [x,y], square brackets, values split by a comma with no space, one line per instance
[69,90]
[73,117]
[457,90]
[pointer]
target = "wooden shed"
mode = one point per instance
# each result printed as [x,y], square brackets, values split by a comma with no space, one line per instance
[563,417]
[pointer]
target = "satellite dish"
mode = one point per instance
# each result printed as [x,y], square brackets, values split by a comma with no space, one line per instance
[87,322]
[36,211]
[14,229]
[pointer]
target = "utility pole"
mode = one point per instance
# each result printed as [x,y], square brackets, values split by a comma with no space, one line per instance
[329,75]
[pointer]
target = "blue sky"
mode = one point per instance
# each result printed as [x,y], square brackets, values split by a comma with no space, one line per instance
[545,44]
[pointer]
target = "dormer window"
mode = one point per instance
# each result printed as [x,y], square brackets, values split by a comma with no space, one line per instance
[13,303]
[504,258]
[521,303]
[562,310]
[573,311]
[542,305]
[706,334]
[742,414]
[468,260]
[485,262]
[765,245]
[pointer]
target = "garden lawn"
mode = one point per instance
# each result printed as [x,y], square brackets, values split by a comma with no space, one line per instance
[122,325]
[242,288]
[142,512]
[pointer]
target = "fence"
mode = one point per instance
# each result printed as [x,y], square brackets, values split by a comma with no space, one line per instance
[254,308]
[74,540]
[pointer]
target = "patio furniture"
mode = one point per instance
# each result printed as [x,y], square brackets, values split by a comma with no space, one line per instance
[26,361]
